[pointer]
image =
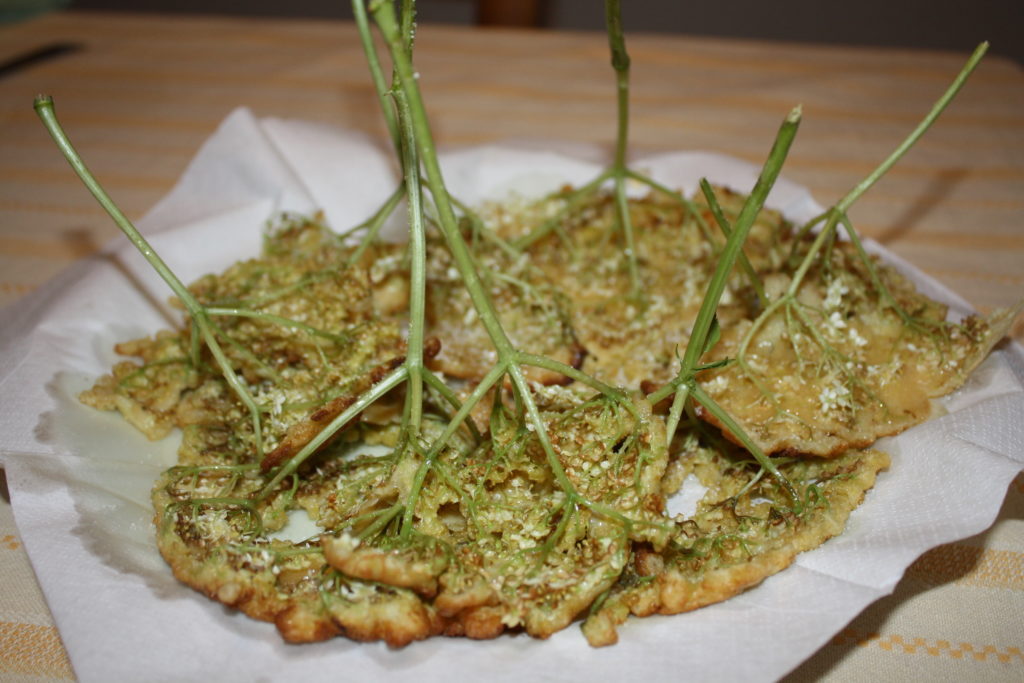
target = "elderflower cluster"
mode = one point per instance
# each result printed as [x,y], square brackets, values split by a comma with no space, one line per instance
[835,397]
[837,289]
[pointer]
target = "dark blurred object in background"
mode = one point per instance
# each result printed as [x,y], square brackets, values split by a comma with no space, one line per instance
[937,24]
[18,10]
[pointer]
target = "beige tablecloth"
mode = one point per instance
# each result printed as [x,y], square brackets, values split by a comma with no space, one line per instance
[142,92]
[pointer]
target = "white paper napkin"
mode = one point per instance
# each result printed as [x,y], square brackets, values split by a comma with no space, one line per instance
[80,479]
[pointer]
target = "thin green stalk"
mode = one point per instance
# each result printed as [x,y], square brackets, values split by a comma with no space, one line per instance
[626,223]
[705,321]
[690,205]
[833,216]
[478,228]
[376,73]
[277,320]
[384,93]
[447,222]
[620,63]
[383,518]
[553,223]
[723,224]
[843,205]
[573,374]
[486,384]
[44,108]
[417,272]
[453,400]
[755,201]
[373,224]
[390,381]
[383,13]
[675,413]
[701,397]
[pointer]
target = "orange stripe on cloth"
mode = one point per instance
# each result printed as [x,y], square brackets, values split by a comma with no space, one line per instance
[923,646]
[970,566]
[28,649]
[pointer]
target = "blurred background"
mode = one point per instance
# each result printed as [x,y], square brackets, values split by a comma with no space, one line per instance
[935,24]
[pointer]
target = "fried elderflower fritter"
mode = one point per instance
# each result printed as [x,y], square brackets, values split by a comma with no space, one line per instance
[297,325]
[745,529]
[836,361]
[485,524]
[846,353]
[499,543]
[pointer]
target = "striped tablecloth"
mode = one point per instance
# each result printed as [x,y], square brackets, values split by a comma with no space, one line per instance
[141,93]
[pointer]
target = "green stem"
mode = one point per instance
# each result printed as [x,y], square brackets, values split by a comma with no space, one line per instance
[701,397]
[573,374]
[688,203]
[383,518]
[417,275]
[277,320]
[620,63]
[376,73]
[478,228]
[819,241]
[373,224]
[383,13]
[453,400]
[843,205]
[554,223]
[702,327]
[626,224]
[675,413]
[44,108]
[506,352]
[390,381]
[490,379]
[755,201]
[723,224]
[876,280]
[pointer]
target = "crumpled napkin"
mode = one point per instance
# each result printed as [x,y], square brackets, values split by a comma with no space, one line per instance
[80,479]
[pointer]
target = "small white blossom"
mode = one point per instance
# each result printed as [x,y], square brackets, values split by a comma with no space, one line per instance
[835,397]
[835,293]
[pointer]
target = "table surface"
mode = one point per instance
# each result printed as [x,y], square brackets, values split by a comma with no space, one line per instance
[141,93]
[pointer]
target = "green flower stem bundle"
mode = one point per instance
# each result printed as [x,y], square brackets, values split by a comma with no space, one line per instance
[415,120]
